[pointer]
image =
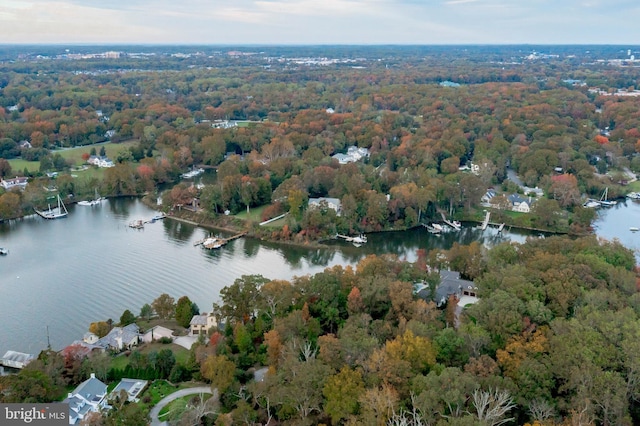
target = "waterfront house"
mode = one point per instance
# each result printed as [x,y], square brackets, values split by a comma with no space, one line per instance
[332,203]
[80,350]
[88,397]
[15,359]
[17,182]
[519,204]
[90,338]
[121,338]
[201,324]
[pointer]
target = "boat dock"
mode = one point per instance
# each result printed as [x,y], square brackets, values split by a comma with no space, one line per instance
[486,221]
[216,242]
[359,239]
[455,225]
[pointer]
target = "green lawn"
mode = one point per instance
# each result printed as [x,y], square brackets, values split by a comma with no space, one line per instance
[255,214]
[75,155]
[181,354]
[177,403]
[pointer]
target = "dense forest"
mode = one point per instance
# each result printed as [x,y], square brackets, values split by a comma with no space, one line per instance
[563,122]
[552,340]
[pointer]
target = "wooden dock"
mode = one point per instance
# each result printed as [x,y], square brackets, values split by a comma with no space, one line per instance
[451,224]
[486,221]
[215,242]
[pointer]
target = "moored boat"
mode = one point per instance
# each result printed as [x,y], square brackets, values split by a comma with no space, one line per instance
[55,212]
[136,224]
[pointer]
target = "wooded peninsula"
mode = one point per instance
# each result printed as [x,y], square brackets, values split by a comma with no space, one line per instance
[350,140]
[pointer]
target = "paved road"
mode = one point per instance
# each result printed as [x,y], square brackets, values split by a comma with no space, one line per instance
[167,399]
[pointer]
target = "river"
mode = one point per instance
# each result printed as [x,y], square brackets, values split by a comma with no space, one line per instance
[90,266]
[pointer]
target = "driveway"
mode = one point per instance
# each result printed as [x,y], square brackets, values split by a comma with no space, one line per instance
[185,341]
[167,399]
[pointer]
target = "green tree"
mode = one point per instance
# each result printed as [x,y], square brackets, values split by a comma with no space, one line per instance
[220,370]
[99,328]
[146,312]
[164,306]
[127,318]
[240,299]
[341,392]
[184,311]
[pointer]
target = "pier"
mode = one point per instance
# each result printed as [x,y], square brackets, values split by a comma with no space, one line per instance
[360,239]
[212,243]
[486,221]
[455,225]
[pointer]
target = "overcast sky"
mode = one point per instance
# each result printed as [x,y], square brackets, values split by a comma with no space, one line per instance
[321,21]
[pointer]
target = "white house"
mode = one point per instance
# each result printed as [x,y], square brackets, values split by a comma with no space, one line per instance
[17,182]
[100,161]
[519,204]
[88,397]
[353,154]
[201,324]
[332,203]
[120,338]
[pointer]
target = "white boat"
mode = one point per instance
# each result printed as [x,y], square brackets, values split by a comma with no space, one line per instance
[136,224]
[213,243]
[192,173]
[634,195]
[359,240]
[97,200]
[604,199]
[591,204]
[3,251]
[634,229]
[55,212]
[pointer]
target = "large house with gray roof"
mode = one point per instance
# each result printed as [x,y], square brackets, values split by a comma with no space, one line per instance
[121,338]
[88,397]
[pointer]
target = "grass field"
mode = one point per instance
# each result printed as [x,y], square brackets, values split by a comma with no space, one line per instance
[181,354]
[179,402]
[75,155]
[255,214]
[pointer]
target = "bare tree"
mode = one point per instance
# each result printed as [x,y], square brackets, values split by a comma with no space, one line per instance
[541,410]
[191,413]
[493,405]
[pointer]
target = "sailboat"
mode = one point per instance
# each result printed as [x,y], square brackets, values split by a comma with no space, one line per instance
[95,201]
[54,213]
[603,200]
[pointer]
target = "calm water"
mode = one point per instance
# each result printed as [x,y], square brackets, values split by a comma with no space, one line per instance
[614,222]
[91,266]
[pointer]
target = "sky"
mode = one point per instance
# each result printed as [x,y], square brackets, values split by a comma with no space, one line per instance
[210,22]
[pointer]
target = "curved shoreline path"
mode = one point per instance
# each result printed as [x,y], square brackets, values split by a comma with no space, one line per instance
[153,414]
